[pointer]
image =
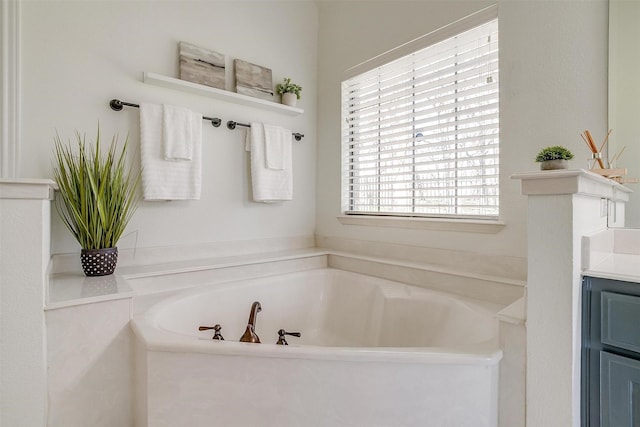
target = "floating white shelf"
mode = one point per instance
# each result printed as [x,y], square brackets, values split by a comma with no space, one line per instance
[223,95]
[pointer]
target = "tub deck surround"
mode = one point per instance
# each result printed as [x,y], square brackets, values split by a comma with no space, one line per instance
[181,257]
[515,313]
[502,266]
[512,381]
[134,289]
[375,352]
[297,392]
[481,287]
[73,288]
[89,366]
[69,289]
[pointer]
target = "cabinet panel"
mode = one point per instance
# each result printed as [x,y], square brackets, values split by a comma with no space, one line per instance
[619,391]
[620,320]
[610,327]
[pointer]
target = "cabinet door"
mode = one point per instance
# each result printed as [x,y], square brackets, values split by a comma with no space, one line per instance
[620,320]
[619,391]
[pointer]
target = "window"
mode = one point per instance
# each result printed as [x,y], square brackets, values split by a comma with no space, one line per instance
[420,132]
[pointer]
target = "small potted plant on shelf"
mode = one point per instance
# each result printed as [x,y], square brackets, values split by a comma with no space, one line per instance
[97,196]
[290,92]
[555,157]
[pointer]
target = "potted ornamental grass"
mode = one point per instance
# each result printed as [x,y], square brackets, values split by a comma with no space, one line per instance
[98,194]
[290,92]
[556,157]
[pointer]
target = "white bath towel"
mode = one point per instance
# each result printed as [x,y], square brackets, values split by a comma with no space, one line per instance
[269,185]
[276,141]
[177,139]
[165,179]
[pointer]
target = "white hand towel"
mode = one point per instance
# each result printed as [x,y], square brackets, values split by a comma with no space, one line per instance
[164,179]
[276,140]
[268,185]
[176,136]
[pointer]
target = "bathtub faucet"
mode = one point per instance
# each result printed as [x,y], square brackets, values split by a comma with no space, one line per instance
[250,333]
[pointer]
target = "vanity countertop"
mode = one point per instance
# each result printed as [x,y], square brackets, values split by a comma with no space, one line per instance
[616,266]
[613,254]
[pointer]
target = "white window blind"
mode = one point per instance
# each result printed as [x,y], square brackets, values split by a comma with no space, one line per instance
[420,134]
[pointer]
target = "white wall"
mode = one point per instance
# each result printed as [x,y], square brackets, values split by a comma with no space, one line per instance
[553,72]
[624,95]
[77,55]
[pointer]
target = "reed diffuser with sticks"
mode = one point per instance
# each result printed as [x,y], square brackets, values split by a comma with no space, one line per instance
[605,167]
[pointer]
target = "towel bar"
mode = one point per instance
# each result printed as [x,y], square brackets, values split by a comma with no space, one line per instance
[117,105]
[231,125]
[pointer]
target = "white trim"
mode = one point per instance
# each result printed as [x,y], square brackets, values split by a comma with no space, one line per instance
[478,18]
[10,119]
[571,181]
[435,224]
[31,189]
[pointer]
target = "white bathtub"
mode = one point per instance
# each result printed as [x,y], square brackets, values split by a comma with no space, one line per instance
[372,353]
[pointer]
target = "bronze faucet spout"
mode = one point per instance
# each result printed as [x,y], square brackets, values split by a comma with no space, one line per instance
[250,333]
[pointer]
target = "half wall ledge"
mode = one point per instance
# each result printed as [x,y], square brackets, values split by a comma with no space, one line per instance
[571,181]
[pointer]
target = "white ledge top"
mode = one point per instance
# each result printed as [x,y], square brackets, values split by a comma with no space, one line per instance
[26,188]
[222,95]
[571,181]
[72,288]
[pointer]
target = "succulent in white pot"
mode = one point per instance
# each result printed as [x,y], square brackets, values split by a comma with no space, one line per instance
[289,91]
[555,157]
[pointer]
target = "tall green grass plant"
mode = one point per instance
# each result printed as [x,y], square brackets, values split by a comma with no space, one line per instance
[98,193]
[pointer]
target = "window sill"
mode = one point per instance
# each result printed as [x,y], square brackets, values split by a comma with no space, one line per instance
[435,224]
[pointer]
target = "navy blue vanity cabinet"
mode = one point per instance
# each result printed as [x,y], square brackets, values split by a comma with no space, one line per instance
[610,353]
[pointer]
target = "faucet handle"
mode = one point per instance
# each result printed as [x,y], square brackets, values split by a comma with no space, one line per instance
[282,333]
[216,334]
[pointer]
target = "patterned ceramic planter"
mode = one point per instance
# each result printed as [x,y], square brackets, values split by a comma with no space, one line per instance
[99,262]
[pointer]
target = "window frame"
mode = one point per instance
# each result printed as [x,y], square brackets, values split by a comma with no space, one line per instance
[404,220]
